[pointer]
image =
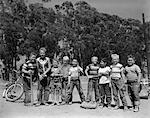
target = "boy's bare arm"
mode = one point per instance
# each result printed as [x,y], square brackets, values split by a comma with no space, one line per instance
[86,71]
[105,73]
[24,69]
[37,65]
[139,75]
[123,75]
[69,79]
[49,67]
[80,70]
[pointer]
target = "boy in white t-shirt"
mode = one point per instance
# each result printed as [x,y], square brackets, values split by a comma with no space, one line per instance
[104,84]
[74,80]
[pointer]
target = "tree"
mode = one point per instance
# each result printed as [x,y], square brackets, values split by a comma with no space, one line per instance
[79,27]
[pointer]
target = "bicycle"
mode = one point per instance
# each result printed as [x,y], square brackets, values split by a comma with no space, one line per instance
[14,90]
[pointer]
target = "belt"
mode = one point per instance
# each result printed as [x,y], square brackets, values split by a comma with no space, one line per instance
[116,78]
[132,81]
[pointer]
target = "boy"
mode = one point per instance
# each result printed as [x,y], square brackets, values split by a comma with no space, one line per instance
[44,66]
[117,78]
[55,83]
[104,84]
[74,80]
[65,73]
[133,75]
[29,68]
[93,82]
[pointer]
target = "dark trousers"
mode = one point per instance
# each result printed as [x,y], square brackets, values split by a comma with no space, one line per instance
[118,87]
[133,92]
[105,91]
[93,84]
[76,83]
[43,90]
[27,90]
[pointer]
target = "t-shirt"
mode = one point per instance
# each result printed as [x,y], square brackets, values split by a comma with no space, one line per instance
[132,72]
[116,71]
[93,69]
[29,65]
[64,69]
[104,78]
[43,64]
[54,71]
[74,72]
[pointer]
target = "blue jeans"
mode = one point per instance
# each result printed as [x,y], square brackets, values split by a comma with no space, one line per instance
[27,90]
[133,91]
[105,91]
[118,87]
[93,84]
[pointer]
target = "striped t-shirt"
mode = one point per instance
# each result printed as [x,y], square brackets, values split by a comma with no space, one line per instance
[93,69]
[29,65]
[116,71]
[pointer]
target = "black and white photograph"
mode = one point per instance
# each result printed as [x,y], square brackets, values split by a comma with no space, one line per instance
[74,58]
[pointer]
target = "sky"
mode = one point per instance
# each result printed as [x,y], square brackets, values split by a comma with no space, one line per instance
[122,8]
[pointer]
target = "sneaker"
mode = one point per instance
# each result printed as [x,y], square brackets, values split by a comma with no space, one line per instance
[136,109]
[109,107]
[125,108]
[116,108]
[37,104]
[46,104]
[28,104]
[101,105]
[83,101]
[70,103]
[53,104]
[57,103]
[131,109]
[63,103]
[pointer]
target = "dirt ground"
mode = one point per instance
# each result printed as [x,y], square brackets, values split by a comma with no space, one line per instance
[18,110]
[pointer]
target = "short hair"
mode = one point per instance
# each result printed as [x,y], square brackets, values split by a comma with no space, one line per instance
[33,53]
[55,60]
[43,49]
[65,58]
[115,56]
[94,57]
[131,56]
[104,60]
[75,60]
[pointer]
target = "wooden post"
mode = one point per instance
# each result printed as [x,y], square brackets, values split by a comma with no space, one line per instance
[147,44]
[148,53]
[31,84]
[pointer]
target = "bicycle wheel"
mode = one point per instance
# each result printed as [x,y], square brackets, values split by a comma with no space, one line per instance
[14,92]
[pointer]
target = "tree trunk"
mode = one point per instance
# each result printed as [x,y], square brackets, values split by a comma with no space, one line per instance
[80,56]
